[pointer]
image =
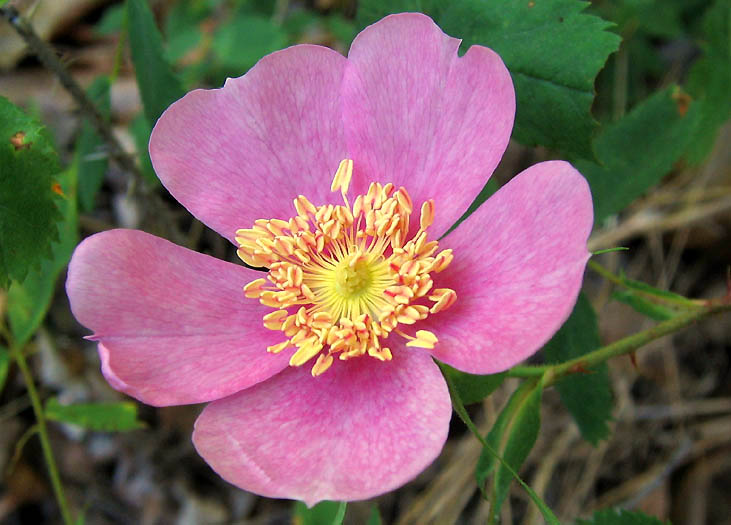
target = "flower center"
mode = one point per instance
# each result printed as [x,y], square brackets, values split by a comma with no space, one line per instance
[342,278]
[353,277]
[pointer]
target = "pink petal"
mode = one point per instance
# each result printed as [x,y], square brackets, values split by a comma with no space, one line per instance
[173,325]
[245,151]
[361,429]
[419,116]
[518,266]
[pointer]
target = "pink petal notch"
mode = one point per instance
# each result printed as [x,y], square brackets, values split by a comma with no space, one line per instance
[362,429]
[245,151]
[518,267]
[173,325]
[421,117]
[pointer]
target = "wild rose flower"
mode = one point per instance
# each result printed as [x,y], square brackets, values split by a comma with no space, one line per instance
[319,373]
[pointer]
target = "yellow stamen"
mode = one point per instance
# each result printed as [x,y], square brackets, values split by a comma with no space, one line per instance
[309,349]
[444,298]
[275,319]
[253,289]
[341,280]
[427,214]
[304,207]
[442,260]
[423,339]
[323,363]
[275,349]
[341,181]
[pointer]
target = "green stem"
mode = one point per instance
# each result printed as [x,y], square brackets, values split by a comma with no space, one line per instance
[43,435]
[461,411]
[601,270]
[623,346]
[119,52]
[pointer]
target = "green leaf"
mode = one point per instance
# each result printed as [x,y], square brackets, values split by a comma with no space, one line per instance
[586,394]
[4,365]
[621,517]
[375,517]
[708,83]
[637,151]
[183,43]
[657,304]
[262,7]
[241,42]
[106,417]
[140,129]
[324,513]
[91,159]
[300,20]
[28,209]
[539,42]
[645,288]
[343,29]
[657,18]
[716,27]
[183,27]
[159,86]
[182,16]
[643,306]
[709,79]
[28,301]
[649,28]
[111,21]
[489,452]
[512,437]
[473,388]
[610,250]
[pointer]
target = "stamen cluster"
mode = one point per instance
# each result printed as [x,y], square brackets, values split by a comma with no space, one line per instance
[343,279]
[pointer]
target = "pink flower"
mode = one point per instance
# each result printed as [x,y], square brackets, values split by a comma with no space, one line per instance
[368,300]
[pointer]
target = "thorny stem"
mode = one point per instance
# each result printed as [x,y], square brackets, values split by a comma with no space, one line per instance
[552,373]
[116,152]
[35,400]
[624,346]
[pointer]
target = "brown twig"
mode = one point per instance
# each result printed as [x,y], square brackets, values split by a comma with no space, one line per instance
[49,59]
[116,152]
[648,220]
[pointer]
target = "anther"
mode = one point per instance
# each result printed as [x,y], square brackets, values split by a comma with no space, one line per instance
[383,354]
[404,200]
[444,298]
[306,352]
[427,214]
[275,349]
[442,260]
[423,339]
[324,361]
[342,177]
[254,288]
[304,206]
[274,320]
